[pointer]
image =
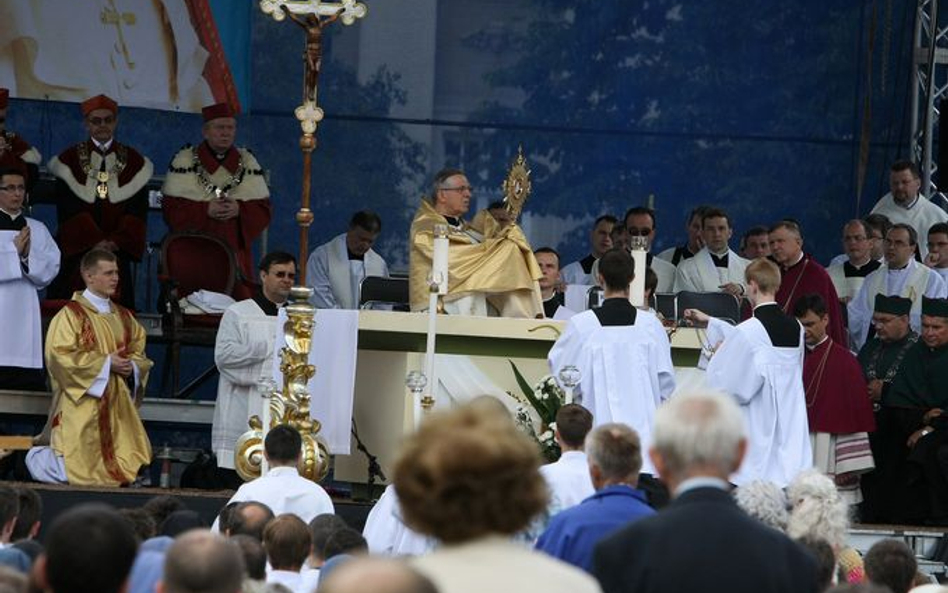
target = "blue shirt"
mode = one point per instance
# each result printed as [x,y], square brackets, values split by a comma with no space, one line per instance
[573,533]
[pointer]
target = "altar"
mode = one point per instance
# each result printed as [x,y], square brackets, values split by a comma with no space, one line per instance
[473,358]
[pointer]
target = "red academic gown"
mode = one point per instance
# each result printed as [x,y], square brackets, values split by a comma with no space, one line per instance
[13,157]
[807,276]
[189,213]
[84,222]
[837,400]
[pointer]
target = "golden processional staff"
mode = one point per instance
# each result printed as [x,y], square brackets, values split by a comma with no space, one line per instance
[291,404]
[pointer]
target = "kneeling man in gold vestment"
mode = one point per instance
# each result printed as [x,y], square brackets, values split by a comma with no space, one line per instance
[488,264]
[95,353]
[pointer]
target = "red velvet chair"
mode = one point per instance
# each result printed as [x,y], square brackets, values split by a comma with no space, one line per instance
[192,261]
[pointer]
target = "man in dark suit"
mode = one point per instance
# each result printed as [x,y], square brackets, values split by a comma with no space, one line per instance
[702,541]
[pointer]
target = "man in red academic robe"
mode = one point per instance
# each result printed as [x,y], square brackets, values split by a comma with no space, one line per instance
[838,407]
[218,188]
[15,152]
[101,201]
[801,274]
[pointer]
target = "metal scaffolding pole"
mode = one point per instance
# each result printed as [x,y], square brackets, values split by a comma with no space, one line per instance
[929,88]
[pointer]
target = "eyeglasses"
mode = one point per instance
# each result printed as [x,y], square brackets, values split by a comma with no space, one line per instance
[98,121]
[13,188]
[634,232]
[290,275]
[459,188]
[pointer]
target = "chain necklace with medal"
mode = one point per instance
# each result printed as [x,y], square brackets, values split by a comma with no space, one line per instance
[103,175]
[220,191]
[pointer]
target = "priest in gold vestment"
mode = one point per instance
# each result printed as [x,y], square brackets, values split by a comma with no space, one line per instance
[95,353]
[488,264]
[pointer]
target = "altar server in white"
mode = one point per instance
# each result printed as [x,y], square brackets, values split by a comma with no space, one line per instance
[243,354]
[901,276]
[623,354]
[716,267]
[760,364]
[29,260]
[335,270]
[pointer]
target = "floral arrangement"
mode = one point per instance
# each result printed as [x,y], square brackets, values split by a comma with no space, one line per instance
[545,399]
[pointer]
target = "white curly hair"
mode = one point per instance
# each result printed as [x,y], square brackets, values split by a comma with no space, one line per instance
[817,510]
[764,501]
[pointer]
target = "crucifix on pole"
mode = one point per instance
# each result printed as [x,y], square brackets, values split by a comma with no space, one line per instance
[312,16]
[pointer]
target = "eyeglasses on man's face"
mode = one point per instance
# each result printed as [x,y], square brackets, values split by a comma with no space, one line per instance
[461,188]
[11,189]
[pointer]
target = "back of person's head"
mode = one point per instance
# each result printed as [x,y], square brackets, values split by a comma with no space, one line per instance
[891,563]
[764,501]
[254,555]
[250,518]
[765,273]
[817,509]
[320,528]
[9,507]
[617,269]
[180,521]
[226,516]
[469,473]
[825,558]
[202,562]
[159,507]
[29,514]
[879,223]
[615,452]
[141,522]
[376,575]
[345,541]
[701,433]
[283,445]
[287,541]
[88,548]
[573,422]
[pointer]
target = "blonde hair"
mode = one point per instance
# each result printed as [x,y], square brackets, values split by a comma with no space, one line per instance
[765,273]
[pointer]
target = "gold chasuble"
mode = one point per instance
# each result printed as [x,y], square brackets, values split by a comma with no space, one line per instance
[483,258]
[102,439]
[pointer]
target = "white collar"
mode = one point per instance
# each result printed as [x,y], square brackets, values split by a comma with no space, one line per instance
[904,268]
[817,345]
[759,305]
[863,264]
[103,146]
[796,261]
[101,305]
[11,215]
[910,204]
[726,251]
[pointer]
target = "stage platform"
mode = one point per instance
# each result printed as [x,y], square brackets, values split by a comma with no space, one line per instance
[207,504]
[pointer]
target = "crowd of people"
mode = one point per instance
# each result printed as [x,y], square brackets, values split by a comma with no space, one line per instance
[470,484]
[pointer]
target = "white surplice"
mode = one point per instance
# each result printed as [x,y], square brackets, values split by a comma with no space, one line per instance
[767,382]
[243,354]
[921,216]
[568,480]
[22,336]
[386,532]
[699,274]
[335,278]
[911,282]
[626,371]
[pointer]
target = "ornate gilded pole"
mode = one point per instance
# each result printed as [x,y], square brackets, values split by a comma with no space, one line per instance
[311,16]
